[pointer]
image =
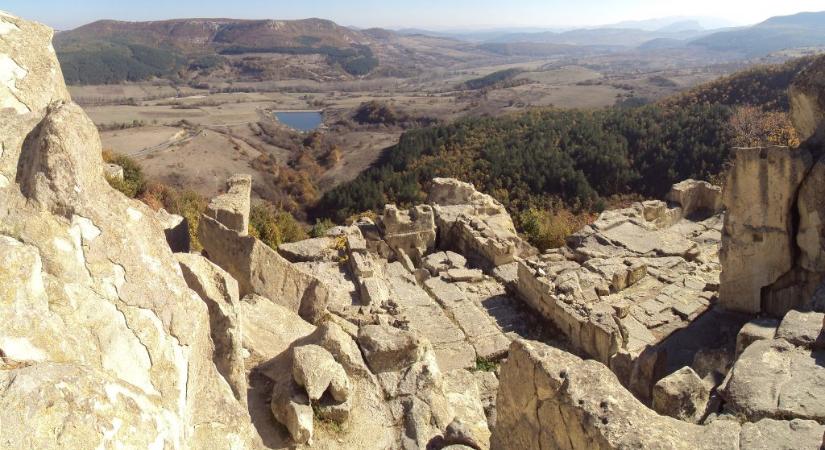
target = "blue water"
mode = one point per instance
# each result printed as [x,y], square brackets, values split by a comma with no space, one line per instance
[301,120]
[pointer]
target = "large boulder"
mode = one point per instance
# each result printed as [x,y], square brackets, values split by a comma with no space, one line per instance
[549,398]
[316,370]
[89,283]
[412,231]
[682,395]
[757,240]
[389,349]
[775,379]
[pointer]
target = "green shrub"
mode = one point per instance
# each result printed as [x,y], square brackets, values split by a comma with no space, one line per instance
[273,226]
[321,227]
[133,183]
[546,229]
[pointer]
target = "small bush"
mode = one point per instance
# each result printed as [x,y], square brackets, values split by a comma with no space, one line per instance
[187,203]
[273,226]
[321,227]
[133,183]
[549,229]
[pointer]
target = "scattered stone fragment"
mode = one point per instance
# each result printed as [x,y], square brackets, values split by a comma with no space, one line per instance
[681,395]
[387,348]
[292,409]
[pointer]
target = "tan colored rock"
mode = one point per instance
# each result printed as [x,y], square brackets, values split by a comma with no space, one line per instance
[315,369]
[92,293]
[113,172]
[232,208]
[775,379]
[269,329]
[412,231]
[803,329]
[220,293]
[60,405]
[317,249]
[810,236]
[389,349]
[291,408]
[696,197]
[755,330]
[260,270]
[552,399]
[757,243]
[176,229]
[682,395]
[769,434]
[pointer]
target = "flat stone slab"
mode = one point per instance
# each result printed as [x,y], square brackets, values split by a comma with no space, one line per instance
[316,249]
[775,379]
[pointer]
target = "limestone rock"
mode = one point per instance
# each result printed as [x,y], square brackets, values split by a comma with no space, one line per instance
[316,370]
[681,395]
[260,270]
[176,229]
[113,172]
[220,293]
[412,232]
[769,434]
[757,243]
[292,409]
[317,249]
[552,399]
[803,329]
[810,236]
[263,336]
[755,330]
[57,405]
[696,197]
[232,208]
[387,348]
[774,379]
[91,293]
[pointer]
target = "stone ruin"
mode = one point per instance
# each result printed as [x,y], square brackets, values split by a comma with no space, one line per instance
[695,322]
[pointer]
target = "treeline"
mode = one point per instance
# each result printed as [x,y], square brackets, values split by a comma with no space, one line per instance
[492,80]
[764,86]
[540,158]
[356,60]
[110,63]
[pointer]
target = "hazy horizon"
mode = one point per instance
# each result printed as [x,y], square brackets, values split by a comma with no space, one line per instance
[427,14]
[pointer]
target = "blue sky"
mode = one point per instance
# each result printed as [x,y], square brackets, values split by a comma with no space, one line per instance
[435,14]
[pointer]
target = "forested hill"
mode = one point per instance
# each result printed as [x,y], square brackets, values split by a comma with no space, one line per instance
[764,86]
[537,158]
[576,160]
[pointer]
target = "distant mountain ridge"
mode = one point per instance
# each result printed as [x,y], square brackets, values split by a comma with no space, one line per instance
[777,33]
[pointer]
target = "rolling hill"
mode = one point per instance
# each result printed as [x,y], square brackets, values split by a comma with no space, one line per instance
[111,51]
[777,33]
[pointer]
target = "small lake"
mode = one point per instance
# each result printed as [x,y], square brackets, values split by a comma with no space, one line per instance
[300,120]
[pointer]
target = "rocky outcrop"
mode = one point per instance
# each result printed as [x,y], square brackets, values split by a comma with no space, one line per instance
[259,269]
[808,103]
[473,224]
[549,398]
[412,232]
[696,198]
[758,245]
[232,208]
[552,399]
[775,379]
[99,328]
[626,283]
[220,293]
